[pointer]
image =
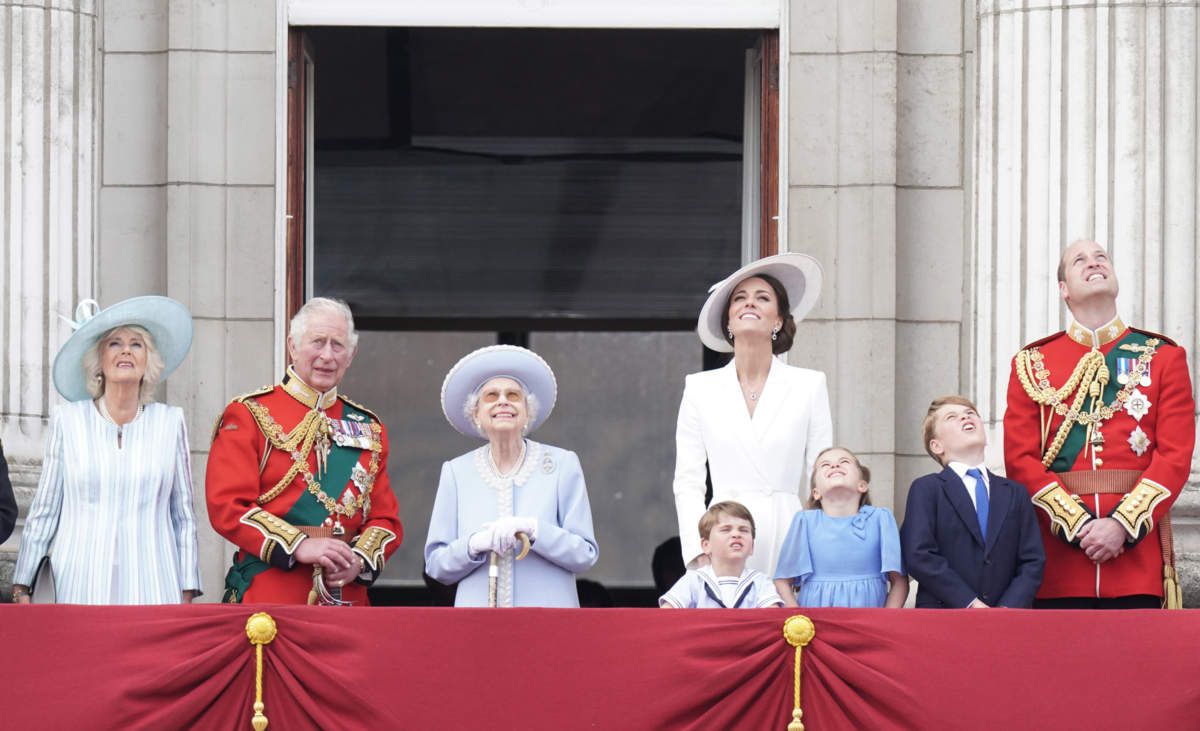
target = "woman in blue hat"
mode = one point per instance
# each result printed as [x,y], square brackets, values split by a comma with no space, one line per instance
[114,503]
[510,486]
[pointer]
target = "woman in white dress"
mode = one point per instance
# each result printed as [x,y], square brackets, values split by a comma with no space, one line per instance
[510,485]
[758,422]
[113,508]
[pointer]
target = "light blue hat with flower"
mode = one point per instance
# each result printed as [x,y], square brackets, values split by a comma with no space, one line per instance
[167,321]
[497,361]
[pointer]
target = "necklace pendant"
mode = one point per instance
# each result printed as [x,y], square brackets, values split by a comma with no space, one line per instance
[753,396]
[338,530]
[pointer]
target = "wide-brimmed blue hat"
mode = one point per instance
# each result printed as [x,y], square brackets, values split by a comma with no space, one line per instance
[167,321]
[800,275]
[497,361]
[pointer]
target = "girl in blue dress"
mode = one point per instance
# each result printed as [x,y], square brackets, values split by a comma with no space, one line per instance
[841,551]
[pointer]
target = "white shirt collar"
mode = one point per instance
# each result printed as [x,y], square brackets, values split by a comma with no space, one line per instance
[960,469]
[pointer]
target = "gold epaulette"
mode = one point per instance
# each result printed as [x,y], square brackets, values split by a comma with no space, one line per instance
[370,545]
[1043,341]
[361,408]
[1067,512]
[237,400]
[1152,334]
[1134,511]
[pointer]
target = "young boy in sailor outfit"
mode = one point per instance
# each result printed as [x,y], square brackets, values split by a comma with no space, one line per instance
[727,540]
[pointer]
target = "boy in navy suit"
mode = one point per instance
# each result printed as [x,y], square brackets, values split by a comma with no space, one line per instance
[970,538]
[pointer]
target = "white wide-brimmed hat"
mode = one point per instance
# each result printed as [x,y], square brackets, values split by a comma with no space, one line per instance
[167,321]
[497,361]
[800,275]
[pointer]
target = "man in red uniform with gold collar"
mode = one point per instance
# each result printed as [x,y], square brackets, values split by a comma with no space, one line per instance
[297,476]
[1100,428]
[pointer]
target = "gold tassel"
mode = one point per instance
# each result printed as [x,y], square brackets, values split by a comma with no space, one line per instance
[798,630]
[260,628]
[1172,594]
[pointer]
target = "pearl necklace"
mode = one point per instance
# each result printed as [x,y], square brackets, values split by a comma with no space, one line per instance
[108,417]
[516,465]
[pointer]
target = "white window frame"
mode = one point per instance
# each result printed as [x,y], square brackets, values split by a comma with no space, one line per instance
[749,14]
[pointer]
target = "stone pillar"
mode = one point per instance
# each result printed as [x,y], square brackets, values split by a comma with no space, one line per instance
[218,213]
[1086,129]
[47,189]
[842,67]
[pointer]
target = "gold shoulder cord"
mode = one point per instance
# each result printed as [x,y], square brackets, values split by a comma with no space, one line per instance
[299,442]
[1088,379]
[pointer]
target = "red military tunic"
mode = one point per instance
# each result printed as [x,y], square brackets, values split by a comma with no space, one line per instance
[250,506]
[1147,425]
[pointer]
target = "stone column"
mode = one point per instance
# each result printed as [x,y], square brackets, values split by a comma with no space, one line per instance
[219,217]
[1086,129]
[842,136]
[47,190]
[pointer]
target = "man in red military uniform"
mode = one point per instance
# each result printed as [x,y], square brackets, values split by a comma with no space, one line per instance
[297,476]
[1100,429]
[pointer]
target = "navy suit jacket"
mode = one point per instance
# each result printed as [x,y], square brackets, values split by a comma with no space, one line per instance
[945,551]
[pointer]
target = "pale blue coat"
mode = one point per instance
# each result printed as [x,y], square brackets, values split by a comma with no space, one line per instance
[548,487]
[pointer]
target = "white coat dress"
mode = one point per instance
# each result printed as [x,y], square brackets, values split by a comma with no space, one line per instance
[762,462]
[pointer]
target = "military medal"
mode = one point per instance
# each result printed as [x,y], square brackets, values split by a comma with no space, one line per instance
[1137,405]
[1138,441]
[1124,368]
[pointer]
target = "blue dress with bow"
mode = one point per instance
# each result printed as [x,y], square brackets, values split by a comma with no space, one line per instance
[841,562]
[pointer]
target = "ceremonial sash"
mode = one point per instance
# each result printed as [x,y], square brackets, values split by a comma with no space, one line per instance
[1076,440]
[308,510]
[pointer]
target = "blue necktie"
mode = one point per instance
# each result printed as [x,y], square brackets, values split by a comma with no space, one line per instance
[981,500]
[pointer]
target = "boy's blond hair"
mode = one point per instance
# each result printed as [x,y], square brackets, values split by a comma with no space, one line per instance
[730,508]
[929,426]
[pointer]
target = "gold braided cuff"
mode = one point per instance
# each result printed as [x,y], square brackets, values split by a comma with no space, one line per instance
[1136,509]
[370,545]
[1067,512]
[275,530]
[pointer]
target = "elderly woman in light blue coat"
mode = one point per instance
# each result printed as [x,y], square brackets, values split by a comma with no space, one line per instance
[508,486]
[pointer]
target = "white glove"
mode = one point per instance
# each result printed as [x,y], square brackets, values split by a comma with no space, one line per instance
[514,524]
[480,541]
[490,537]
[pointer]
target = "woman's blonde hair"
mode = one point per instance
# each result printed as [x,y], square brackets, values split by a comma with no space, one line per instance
[863,499]
[94,375]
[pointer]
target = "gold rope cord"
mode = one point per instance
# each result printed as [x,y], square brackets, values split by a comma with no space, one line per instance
[1088,379]
[798,630]
[298,443]
[304,436]
[260,628]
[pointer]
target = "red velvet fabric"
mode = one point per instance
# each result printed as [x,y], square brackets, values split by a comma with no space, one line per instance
[192,667]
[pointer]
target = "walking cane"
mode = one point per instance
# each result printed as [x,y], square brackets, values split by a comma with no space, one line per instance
[494,567]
